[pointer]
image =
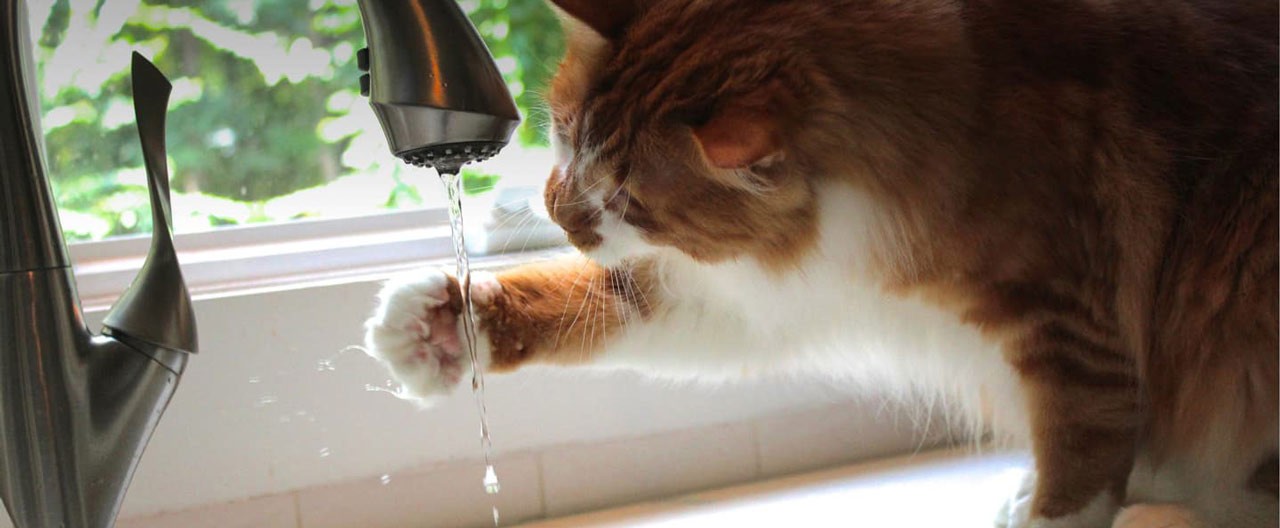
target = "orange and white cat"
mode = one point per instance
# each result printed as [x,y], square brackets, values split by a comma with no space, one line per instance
[1064,208]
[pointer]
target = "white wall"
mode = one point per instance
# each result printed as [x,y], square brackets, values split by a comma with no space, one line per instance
[255,416]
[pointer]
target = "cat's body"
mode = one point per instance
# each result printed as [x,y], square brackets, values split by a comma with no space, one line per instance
[1065,211]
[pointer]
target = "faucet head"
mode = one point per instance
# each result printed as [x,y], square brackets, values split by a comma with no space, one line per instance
[433,84]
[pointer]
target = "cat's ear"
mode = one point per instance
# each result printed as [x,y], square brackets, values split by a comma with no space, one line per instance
[737,137]
[609,18]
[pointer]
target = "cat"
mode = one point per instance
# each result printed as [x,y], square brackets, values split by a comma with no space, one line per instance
[1063,209]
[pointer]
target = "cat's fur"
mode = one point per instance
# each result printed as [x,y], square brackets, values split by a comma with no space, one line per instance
[1063,208]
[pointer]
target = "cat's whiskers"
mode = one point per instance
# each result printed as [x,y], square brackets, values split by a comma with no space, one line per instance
[600,322]
[582,196]
[601,314]
[636,290]
[505,220]
[524,219]
[593,319]
[527,228]
[633,301]
[588,323]
[621,307]
[581,308]
[621,185]
[579,200]
[564,312]
[623,216]
[525,222]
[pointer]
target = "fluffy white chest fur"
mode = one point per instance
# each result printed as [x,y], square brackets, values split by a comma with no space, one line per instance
[825,317]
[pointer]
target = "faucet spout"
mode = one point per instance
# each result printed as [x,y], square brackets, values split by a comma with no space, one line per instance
[76,409]
[433,83]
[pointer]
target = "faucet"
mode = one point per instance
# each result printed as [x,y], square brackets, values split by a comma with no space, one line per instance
[76,408]
[433,84]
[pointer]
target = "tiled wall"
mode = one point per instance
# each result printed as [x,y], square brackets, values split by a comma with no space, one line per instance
[571,478]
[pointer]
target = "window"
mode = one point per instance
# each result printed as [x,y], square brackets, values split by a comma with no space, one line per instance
[265,126]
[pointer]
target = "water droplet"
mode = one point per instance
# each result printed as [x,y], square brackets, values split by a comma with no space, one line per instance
[388,386]
[324,452]
[491,484]
[495,515]
[266,400]
[255,379]
[385,479]
[325,365]
[352,348]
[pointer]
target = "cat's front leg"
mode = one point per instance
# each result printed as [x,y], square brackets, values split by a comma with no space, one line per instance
[1083,409]
[564,312]
[561,312]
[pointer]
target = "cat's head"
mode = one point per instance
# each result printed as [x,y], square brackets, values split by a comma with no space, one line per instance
[674,126]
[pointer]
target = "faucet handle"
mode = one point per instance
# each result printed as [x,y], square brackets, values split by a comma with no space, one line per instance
[156,308]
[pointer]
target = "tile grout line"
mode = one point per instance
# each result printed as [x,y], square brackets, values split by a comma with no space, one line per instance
[297,509]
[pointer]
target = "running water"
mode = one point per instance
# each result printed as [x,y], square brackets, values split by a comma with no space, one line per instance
[453,184]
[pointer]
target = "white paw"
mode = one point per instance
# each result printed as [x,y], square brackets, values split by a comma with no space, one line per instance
[1156,516]
[415,332]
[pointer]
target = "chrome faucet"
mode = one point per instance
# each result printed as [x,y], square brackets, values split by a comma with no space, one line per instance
[77,409]
[433,84]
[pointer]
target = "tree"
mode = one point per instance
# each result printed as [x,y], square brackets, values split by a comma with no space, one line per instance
[265,105]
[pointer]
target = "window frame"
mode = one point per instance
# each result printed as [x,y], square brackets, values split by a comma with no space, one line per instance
[285,255]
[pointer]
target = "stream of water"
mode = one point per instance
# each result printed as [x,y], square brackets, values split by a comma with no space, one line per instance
[453,185]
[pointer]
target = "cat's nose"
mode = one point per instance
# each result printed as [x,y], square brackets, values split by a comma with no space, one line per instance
[570,208]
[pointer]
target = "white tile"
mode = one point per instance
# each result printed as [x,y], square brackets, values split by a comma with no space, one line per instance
[586,477]
[839,434]
[450,495]
[275,511]
[261,418]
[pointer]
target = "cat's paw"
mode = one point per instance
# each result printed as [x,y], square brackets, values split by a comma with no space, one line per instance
[1156,516]
[415,331]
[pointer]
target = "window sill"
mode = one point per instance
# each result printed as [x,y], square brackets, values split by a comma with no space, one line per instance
[961,489]
[299,254]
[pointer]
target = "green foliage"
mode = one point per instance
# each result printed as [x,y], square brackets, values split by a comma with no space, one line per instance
[525,38]
[474,182]
[265,109]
